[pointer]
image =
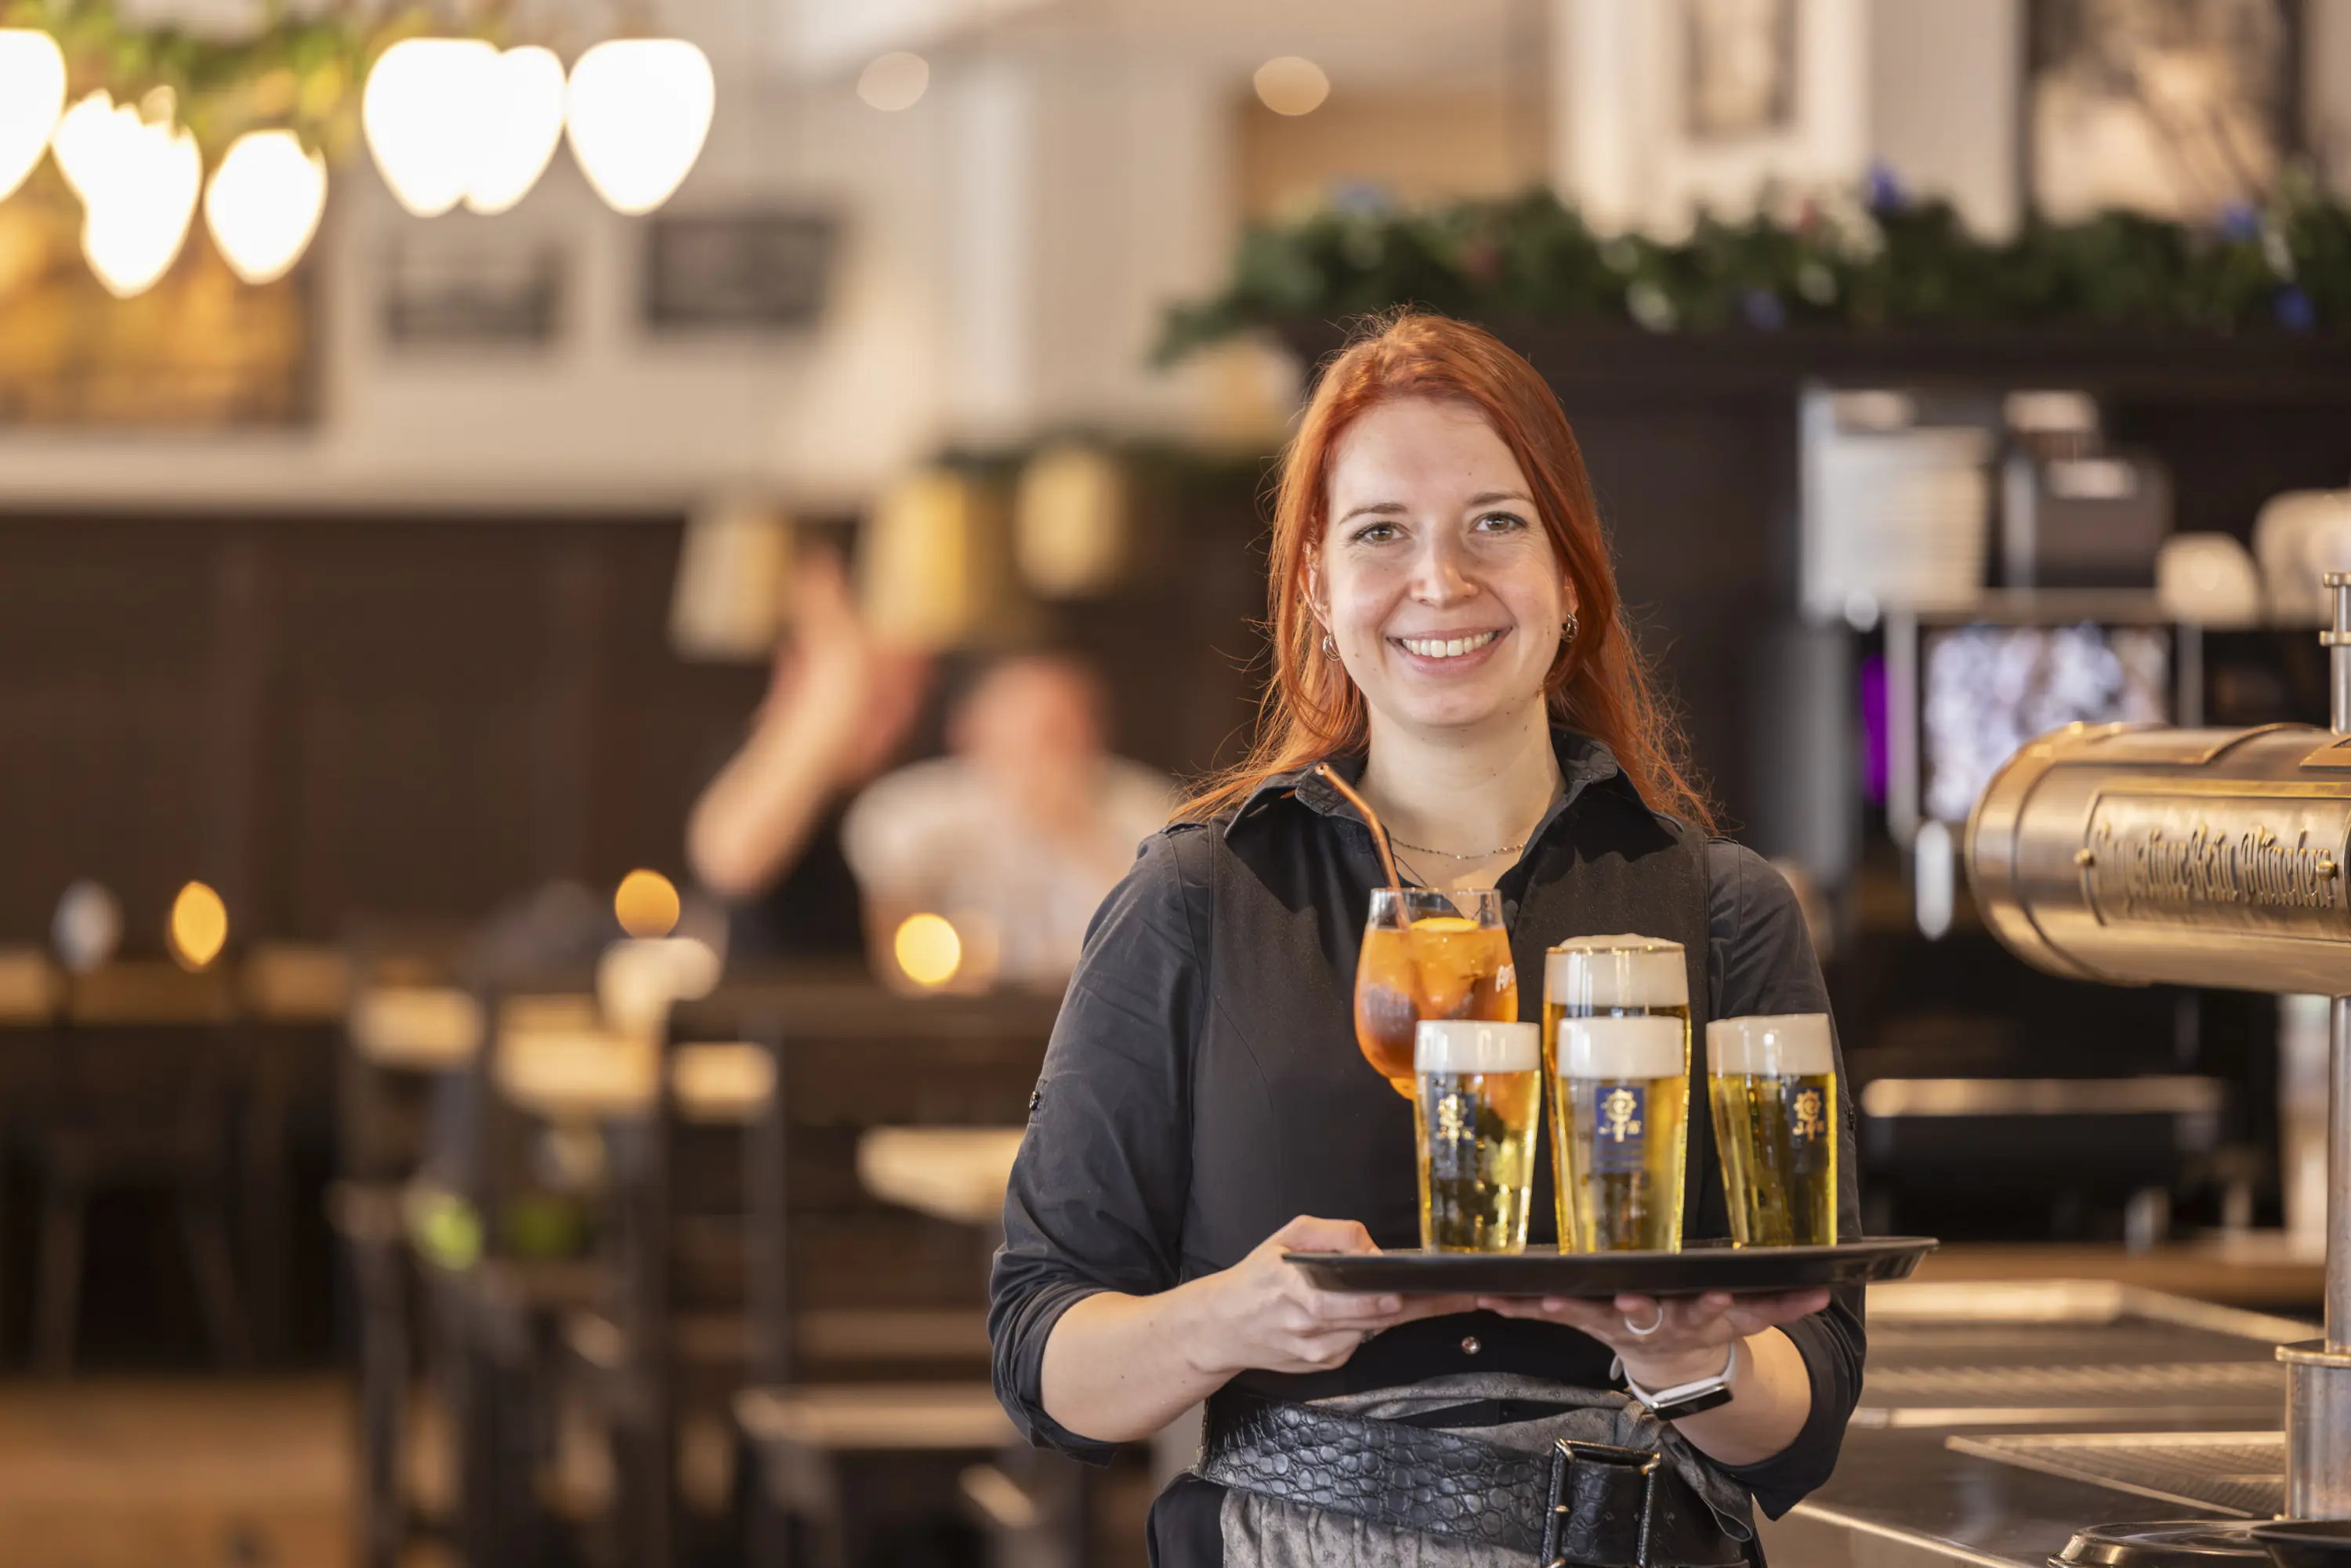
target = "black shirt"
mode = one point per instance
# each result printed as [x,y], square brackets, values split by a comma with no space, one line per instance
[1202,1087]
[813,911]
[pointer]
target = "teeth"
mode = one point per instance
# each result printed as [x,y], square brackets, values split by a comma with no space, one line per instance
[1447,648]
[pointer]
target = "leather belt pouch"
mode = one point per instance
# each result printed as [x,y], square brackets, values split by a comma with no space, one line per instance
[1576,1505]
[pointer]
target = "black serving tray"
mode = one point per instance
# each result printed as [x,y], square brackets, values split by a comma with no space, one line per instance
[1697,1268]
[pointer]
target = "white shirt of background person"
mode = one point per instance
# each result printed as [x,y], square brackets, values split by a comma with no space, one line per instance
[1025,827]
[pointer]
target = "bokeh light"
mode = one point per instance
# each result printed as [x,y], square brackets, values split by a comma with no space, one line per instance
[198,928]
[646,903]
[928,950]
[264,204]
[430,109]
[1289,84]
[87,928]
[894,81]
[32,96]
[638,112]
[525,124]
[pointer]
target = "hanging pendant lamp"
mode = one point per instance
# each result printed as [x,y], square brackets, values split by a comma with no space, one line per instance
[638,112]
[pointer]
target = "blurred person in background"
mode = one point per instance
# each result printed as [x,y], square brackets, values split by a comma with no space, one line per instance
[1019,834]
[766,833]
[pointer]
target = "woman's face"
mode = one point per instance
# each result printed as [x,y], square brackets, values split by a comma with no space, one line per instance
[1436,577]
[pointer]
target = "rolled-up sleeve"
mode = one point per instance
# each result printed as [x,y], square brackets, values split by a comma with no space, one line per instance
[1762,961]
[1097,1197]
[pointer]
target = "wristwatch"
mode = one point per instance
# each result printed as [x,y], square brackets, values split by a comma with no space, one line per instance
[1684,1398]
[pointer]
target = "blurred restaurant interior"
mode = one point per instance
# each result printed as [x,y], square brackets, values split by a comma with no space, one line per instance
[530,531]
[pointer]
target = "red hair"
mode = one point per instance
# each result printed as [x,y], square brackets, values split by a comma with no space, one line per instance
[1599,685]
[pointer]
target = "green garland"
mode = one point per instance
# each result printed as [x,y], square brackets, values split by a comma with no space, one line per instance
[1868,261]
[297,73]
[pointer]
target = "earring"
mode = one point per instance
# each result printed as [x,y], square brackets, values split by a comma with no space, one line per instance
[1567,627]
[1329,649]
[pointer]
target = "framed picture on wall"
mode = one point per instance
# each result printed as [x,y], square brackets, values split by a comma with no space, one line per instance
[2175,109]
[1740,74]
[199,350]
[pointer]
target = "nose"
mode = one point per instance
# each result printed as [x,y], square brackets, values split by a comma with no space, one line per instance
[1440,574]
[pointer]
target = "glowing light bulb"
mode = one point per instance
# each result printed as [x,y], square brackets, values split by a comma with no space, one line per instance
[264,204]
[528,124]
[431,107]
[84,141]
[928,949]
[638,112]
[198,928]
[87,928]
[32,97]
[646,903]
[1289,84]
[138,183]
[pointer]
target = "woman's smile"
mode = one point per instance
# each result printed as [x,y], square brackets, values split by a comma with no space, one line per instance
[1450,652]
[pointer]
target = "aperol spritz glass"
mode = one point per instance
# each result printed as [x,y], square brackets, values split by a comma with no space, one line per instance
[1429,954]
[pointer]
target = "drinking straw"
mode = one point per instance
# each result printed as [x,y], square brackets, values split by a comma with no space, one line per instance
[1379,837]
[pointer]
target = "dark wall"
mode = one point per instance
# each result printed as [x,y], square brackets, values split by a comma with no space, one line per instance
[398,715]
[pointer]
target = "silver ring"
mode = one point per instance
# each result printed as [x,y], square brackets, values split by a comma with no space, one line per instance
[1637,1332]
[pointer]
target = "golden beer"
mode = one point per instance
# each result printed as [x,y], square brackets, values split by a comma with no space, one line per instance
[1772,1081]
[1480,1088]
[1616,1048]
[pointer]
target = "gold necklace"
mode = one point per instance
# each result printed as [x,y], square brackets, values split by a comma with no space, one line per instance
[1448,854]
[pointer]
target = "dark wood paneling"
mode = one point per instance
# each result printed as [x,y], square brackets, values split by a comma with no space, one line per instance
[325,717]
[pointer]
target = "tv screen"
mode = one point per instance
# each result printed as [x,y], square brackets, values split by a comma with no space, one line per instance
[1990,689]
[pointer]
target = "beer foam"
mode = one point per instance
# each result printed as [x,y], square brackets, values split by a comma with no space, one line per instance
[1786,1045]
[1614,1049]
[1466,1045]
[1616,972]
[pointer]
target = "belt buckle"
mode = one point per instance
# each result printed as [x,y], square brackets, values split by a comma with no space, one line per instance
[1565,1452]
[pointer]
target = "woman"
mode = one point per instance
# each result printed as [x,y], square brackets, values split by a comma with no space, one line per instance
[1447,633]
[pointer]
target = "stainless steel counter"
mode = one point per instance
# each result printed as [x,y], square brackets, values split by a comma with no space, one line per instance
[1997,1419]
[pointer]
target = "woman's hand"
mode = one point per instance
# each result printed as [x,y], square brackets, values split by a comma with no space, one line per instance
[1687,1342]
[1262,1313]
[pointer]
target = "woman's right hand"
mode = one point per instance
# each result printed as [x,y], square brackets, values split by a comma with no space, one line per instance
[1264,1315]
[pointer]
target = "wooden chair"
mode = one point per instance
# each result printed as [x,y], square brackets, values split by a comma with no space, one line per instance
[406,1029]
[292,1000]
[137,1094]
[32,998]
[833,1408]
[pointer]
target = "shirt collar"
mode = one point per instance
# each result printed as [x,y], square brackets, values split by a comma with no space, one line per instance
[1583,762]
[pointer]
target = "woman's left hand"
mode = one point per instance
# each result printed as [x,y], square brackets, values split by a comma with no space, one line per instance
[1688,1342]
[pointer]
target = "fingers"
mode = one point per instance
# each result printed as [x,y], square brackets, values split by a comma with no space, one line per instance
[1753,1314]
[1308,1234]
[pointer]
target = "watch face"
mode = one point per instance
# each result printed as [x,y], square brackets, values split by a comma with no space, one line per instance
[1713,1398]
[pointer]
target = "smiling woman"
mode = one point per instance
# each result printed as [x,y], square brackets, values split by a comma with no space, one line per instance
[1433,482]
[1447,651]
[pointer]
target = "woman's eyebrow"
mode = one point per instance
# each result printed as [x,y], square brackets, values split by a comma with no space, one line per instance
[1488,498]
[1383,508]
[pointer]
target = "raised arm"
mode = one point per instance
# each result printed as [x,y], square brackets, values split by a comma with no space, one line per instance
[836,706]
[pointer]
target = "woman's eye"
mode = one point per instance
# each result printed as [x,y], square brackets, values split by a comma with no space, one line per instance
[1501,522]
[1373,534]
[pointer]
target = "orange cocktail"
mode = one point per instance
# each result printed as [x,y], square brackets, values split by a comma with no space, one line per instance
[1429,954]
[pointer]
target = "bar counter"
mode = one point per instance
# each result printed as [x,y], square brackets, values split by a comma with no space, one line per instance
[1997,1420]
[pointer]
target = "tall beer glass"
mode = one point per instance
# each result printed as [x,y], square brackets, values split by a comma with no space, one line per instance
[1773,1084]
[1434,955]
[1480,1092]
[1617,1042]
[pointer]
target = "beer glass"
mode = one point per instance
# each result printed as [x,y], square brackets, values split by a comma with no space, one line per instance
[1434,955]
[1772,1081]
[1480,1089]
[1617,1046]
